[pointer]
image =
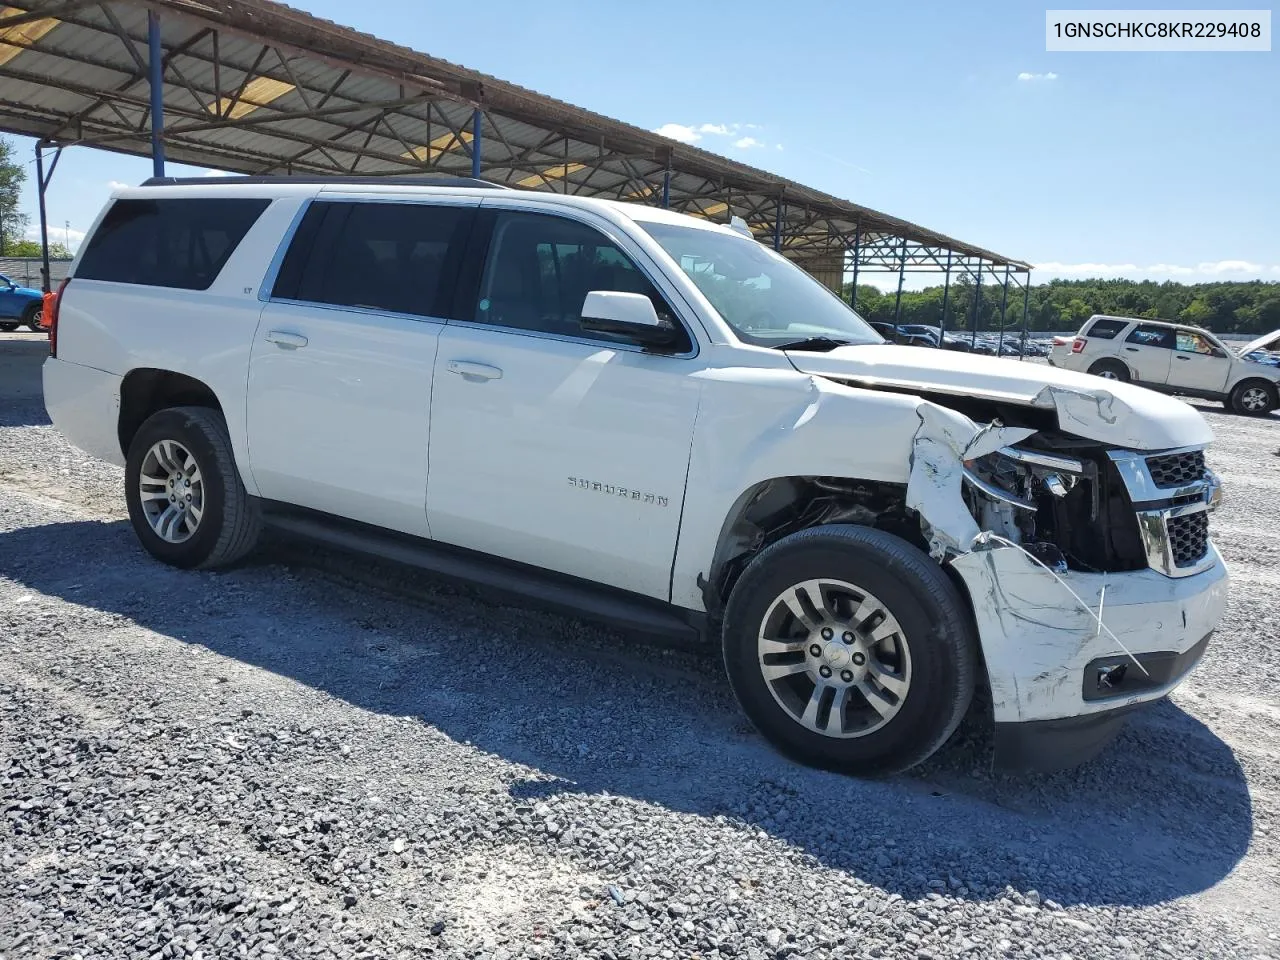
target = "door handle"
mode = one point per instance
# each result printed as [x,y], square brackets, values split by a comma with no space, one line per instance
[290,341]
[1182,358]
[474,371]
[1132,349]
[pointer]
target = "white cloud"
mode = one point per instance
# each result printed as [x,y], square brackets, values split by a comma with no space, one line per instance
[678,131]
[1037,76]
[1209,269]
[57,234]
[217,173]
[116,185]
[692,133]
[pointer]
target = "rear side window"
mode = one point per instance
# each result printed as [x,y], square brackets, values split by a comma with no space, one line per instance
[168,243]
[390,257]
[1106,329]
[1148,336]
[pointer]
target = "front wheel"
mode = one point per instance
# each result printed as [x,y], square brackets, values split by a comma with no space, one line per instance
[186,501]
[849,649]
[1254,398]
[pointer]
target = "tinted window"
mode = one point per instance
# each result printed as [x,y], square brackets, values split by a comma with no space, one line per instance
[1107,329]
[168,243]
[1151,336]
[379,256]
[541,269]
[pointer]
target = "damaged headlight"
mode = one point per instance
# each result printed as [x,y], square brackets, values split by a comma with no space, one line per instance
[1016,476]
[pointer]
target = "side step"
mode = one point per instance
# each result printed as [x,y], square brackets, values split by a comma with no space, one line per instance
[533,586]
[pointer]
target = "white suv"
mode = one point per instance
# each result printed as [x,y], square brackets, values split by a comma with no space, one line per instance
[652,419]
[1174,359]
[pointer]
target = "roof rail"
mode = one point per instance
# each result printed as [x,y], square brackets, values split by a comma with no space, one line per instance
[424,181]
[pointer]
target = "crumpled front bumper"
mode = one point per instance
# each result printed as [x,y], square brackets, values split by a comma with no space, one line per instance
[1057,693]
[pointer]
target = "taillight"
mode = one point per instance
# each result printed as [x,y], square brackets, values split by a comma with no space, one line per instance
[1078,344]
[53,317]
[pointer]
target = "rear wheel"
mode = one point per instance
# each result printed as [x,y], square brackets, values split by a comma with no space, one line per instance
[1254,398]
[186,502]
[8,326]
[849,649]
[1110,370]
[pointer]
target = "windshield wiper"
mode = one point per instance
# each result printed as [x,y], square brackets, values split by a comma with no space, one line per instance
[819,344]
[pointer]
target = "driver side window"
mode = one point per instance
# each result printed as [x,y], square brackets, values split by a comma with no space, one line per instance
[540,269]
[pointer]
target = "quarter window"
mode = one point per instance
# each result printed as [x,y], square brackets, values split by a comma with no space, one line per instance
[541,269]
[168,243]
[1106,329]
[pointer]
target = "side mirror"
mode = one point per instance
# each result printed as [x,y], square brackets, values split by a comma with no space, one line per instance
[629,315]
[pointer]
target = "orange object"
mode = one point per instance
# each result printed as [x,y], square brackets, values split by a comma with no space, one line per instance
[46,312]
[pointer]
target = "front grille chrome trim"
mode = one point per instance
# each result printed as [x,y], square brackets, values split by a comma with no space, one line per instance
[1154,522]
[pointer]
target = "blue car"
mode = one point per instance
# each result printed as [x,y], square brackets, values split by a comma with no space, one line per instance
[19,306]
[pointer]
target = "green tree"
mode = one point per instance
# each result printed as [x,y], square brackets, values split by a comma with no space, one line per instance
[12,176]
[31,248]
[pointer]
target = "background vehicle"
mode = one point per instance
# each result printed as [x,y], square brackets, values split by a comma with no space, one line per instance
[652,419]
[19,306]
[1174,358]
[900,335]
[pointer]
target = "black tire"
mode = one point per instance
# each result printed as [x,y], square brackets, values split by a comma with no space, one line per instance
[231,522]
[1244,396]
[1110,369]
[8,326]
[936,629]
[31,317]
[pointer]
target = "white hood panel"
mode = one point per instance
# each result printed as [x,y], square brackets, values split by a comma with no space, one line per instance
[1268,341]
[1103,410]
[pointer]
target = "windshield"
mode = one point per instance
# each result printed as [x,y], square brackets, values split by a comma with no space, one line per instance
[768,300]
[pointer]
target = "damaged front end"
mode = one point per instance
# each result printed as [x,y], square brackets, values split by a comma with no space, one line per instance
[1093,580]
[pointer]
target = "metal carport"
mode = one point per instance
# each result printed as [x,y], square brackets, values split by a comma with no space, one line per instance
[253,86]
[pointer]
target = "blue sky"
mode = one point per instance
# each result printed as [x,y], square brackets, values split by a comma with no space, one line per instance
[951,115]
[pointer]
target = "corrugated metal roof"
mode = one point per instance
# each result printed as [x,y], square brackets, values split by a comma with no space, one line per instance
[258,87]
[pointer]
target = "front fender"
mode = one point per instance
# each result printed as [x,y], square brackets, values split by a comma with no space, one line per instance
[758,424]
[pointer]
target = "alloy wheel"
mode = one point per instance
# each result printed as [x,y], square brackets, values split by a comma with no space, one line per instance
[834,658]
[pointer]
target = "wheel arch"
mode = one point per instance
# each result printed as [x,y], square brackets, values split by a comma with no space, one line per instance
[776,507]
[146,390]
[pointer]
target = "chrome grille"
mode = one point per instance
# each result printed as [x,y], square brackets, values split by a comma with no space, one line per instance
[1173,494]
[1189,538]
[1177,469]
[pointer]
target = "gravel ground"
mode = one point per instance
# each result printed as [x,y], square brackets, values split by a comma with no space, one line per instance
[314,755]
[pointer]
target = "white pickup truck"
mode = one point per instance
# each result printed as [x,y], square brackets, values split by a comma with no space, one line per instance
[652,419]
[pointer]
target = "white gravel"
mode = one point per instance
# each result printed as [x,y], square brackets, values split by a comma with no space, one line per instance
[315,755]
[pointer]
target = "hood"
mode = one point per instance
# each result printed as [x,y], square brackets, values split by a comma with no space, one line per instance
[1103,410]
[25,292]
[1268,341]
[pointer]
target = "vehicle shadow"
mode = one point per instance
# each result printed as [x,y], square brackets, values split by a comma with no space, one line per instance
[21,389]
[1165,812]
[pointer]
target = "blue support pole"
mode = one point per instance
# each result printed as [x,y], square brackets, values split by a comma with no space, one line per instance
[155,65]
[476,119]
[902,272]
[946,294]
